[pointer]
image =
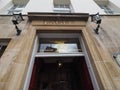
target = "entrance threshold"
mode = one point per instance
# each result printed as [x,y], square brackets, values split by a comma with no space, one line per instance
[58,54]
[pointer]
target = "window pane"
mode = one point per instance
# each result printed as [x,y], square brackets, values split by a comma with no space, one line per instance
[59,45]
[59,48]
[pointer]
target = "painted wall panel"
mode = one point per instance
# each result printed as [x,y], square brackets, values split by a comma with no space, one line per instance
[39,6]
[86,6]
[3,3]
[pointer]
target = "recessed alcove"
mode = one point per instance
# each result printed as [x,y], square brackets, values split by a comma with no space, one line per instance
[60,73]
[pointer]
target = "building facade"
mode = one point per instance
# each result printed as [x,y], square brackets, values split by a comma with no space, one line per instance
[54,47]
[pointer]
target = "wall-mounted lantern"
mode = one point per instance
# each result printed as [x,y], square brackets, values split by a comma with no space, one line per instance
[97,19]
[17,18]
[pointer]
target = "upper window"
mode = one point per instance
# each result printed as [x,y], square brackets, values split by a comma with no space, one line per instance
[62,8]
[108,7]
[2,49]
[16,9]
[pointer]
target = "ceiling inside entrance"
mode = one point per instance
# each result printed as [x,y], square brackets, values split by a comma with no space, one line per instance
[55,59]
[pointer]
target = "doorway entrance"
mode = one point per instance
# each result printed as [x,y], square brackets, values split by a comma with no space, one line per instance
[60,73]
[60,62]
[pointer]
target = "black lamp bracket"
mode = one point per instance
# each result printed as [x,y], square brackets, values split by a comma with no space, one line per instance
[96,19]
[17,18]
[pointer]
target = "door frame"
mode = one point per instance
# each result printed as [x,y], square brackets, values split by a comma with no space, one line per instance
[71,35]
